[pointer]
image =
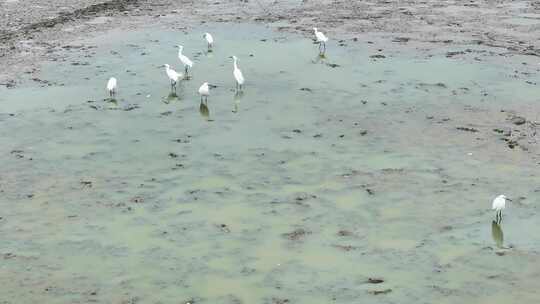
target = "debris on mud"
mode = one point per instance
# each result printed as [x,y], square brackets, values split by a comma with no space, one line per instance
[346,247]
[467,129]
[379,292]
[86,184]
[401,39]
[137,199]
[224,228]
[297,234]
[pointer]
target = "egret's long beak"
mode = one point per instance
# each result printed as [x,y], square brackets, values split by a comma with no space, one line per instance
[213,86]
[508,199]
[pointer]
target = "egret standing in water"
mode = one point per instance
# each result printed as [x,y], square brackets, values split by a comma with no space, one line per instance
[499,203]
[237,75]
[111,86]
[209,41]
[188,64]
[204,91]
[173,76]
[321,39]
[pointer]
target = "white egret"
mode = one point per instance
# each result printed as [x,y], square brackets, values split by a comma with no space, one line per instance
[209,40]
[204,91]
[173,76]
[499,203]
[321,39]
[111,86]
[237,74]
[188,64]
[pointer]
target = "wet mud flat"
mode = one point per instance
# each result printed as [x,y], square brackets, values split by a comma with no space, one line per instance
[364,175]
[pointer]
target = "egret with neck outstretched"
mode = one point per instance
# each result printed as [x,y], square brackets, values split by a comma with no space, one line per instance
[238,76]
[173,76]
[111,86]
[499,203]
[188,64]
[209,41]
[321,39]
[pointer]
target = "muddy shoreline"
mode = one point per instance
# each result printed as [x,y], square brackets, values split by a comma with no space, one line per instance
[32,30]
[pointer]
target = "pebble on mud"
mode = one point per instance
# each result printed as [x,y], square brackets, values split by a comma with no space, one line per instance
[344,233]
[518,120]
[374,280]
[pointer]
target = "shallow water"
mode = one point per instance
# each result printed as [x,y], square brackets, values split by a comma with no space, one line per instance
[314,180]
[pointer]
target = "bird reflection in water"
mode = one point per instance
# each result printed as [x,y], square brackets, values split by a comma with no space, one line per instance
[171,97]
[497,234]
[238,95]
[320,58]
[112,101]
[205,112]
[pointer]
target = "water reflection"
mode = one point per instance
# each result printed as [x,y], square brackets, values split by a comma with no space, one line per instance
[171,97]
[497,234]
[238,95]
[320,58]
[203,109]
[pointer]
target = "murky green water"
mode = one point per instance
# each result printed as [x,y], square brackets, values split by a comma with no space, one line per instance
[278,194]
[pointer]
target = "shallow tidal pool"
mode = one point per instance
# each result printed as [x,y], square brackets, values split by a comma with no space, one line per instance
[329,180]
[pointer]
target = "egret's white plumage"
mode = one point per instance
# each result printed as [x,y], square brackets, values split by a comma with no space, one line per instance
[321,39]
[209,40]
[499,203]
[111,86]
[173,75]
[320,36]
[188,64]
[204,91]
[237,73]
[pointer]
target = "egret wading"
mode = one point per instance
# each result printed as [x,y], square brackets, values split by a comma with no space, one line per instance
[237,74]
[209,41]
[204,91]
[321,39]
[499,203]
[173,76]
[188,64]
[111,86]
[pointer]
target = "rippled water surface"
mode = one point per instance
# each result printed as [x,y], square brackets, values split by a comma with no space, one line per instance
[324,173]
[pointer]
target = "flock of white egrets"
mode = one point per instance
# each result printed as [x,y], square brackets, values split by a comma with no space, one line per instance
[499,203]
[204,89]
